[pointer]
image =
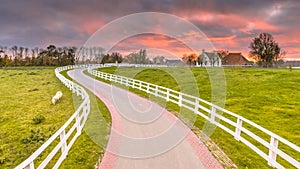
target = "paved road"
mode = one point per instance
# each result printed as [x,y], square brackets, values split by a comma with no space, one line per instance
[144,135]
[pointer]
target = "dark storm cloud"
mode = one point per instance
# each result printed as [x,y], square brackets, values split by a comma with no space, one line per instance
[71,22]
[288,15]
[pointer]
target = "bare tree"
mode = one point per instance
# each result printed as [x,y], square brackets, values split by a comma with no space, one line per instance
[20,54]
[14,51]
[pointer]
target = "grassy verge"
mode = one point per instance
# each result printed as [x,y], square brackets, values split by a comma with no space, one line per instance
[28,119]
[88,149]
[269,97]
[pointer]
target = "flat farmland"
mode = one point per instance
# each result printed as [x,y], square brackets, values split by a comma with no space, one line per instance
[28,118]
[268,97]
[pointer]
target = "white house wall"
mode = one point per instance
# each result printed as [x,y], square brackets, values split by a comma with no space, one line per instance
[207,62]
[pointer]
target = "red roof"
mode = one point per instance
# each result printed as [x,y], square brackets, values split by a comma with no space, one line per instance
[235,59]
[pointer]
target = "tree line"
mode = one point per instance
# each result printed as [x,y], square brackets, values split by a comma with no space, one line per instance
[96,55]
[61,56]
[51,56]
[141,57]
[263,49]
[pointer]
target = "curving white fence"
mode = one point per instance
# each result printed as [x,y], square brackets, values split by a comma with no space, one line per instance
[232,123]
[65,133]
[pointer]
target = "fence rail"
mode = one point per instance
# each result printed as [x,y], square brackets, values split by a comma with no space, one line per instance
[215,115]
[66,137]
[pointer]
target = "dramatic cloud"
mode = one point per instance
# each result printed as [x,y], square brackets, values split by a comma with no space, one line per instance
[228,24]
[157,45]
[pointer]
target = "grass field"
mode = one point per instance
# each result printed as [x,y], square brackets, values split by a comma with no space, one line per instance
[89,147]
[27,117]
[269,97]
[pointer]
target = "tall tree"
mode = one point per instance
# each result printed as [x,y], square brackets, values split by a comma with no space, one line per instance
[159,60]
[14,50]
[21,50]
[264,49]
[223,54]
[26,51]
[116,57]
[190,59]
[2,51]
[137,57]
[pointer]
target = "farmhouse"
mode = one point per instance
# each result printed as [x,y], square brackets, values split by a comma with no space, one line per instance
[235,59]
[209,59]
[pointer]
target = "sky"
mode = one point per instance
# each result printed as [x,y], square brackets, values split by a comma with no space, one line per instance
[228,24]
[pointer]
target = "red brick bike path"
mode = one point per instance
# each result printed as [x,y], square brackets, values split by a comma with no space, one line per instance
[143,134]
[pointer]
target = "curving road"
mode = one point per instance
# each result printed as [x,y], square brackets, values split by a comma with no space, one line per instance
[144,135]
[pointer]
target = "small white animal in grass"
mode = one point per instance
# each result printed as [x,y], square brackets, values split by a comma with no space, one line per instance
[57,97]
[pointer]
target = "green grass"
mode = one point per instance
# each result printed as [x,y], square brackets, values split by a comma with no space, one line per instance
[89,148]
[268,97]
[26,94]
[28,119]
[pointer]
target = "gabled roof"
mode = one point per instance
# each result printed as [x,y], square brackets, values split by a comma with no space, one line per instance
[210,54]
[235,59]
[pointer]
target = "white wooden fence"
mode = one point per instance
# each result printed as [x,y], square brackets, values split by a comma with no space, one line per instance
[66,137]
[218,116]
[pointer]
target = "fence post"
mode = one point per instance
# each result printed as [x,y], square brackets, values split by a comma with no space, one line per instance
[133,83]
[82,95]
[119,79]
[180,100]
[71,87]
[30,165]
[156,90]
[113,78]
[64,144]
[238,128]
[273,151]
[196,106]
[212,114]
[77,90]
[148,88]
[78,124]
[140,87]
[168,95]
[126,82]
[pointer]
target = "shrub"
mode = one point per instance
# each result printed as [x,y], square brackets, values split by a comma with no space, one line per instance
[46,83]
[38,119]
[32,73]
[32,90]
[35,137]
